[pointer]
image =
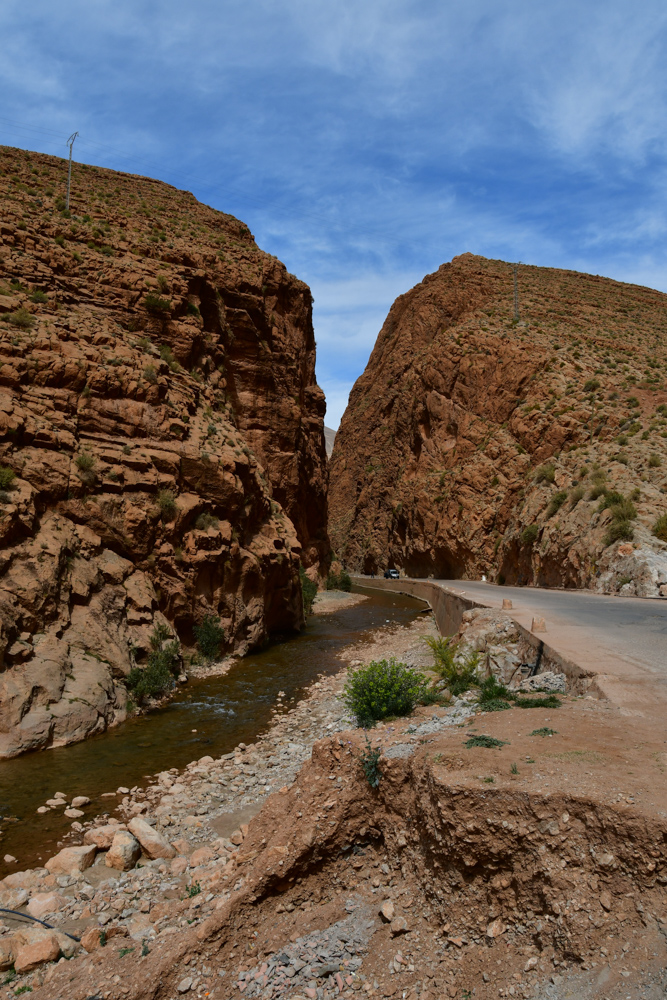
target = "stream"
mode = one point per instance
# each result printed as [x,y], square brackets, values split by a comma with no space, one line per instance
[209,716]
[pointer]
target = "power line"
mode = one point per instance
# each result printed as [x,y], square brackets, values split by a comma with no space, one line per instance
[160,169]
[70,143]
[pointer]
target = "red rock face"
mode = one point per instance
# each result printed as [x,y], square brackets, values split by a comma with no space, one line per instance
[434,468]
[159,410]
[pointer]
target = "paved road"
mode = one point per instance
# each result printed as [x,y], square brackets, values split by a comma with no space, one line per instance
[628,628]
[622,639]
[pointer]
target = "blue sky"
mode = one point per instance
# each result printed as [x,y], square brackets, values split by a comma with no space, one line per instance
[367,141]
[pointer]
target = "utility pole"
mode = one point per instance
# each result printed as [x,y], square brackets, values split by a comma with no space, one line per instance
[70,143]
[515,268]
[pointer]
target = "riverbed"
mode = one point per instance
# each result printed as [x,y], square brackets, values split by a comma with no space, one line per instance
[210,716]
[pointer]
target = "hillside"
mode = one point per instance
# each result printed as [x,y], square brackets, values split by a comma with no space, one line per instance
[160,416]
[533,452]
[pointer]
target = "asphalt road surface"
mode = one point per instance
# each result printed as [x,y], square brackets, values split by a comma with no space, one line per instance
[629,629]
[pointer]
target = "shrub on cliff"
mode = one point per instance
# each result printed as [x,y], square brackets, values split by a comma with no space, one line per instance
[557,501]
[660,528]
[209,636]
[529,535]
[22,318]
[162,665]
[339,581]
[623,513]
[7,477]
[459,671]
[166,502]
[308,592]
[382,689]
[545,473]
[156,305]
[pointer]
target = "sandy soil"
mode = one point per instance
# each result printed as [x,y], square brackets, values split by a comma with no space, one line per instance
[333,600]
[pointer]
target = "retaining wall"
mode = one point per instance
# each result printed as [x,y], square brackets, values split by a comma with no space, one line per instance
[448,608]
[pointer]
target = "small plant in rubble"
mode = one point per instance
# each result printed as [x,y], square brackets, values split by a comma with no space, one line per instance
[370,764]
[458,670]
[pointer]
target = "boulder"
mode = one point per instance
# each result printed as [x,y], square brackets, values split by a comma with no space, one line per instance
[153,843]
[201,856]
[45,902]
[29,956]
[102,836]
[179,865]
[79,801]
[72,860]
[91,939]
[124,852]
[6,952]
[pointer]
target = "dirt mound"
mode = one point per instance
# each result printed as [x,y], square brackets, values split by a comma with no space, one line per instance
[533,452]
[442,881]
[160,417]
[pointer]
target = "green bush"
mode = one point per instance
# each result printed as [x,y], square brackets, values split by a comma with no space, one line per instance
[381,689]
[632,401]
[167,355]
[459,676]
[591,385]
[209,636]
[576,495]
[370,764]
[166,501]
[157,676]
[545,473]
[340,581]
[38,296]
[7,477]
[156,305]
[205,521]
[610,499]
[308,592]
[654,461]
[619,531]
[488,742]
[660,528]
[150,374]
[22,318]
[549,701]
[529,535]
[493,695]
[85,462]
[556,502]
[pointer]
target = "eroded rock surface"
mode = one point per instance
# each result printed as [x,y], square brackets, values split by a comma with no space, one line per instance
[472,445]
[159,410]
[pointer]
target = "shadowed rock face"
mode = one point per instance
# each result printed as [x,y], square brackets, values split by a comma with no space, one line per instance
[434,466]
[159,409]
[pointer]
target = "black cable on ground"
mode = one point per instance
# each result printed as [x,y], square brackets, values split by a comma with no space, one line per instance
[27,916]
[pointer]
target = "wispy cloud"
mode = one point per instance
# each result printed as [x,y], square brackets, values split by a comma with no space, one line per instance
[366,143]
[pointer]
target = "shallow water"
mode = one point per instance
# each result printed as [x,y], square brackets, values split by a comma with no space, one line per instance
[206,717]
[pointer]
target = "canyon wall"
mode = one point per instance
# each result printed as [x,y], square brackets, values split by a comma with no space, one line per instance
[162,450]
[532,451]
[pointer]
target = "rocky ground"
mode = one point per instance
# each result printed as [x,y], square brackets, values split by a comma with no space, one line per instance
[533,868]
[532,452]
[162,451]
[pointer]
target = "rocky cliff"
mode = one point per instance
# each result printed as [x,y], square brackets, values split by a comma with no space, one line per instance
[162,450]
[532,451]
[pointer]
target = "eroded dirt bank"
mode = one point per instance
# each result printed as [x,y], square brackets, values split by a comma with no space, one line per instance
[535,868]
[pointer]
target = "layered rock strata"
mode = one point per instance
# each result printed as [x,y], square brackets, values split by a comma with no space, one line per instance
[475,444]
[161,439]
